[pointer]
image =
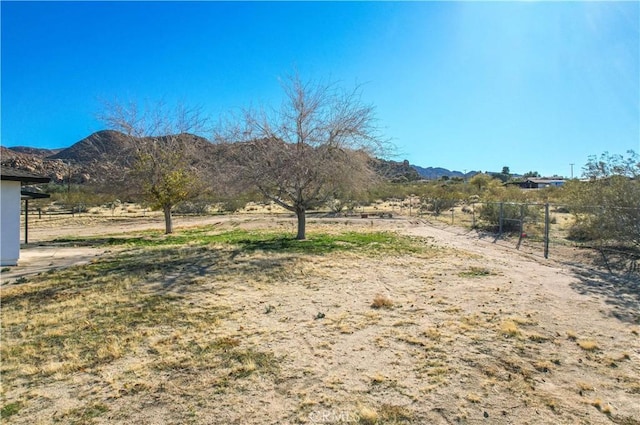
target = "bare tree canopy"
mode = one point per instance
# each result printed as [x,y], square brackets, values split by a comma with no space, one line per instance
[163,153]
[315,147]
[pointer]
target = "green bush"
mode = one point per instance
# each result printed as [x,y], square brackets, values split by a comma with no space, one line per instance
[606,210]
[511,213]
[438,205]
[193,207]
[580,233]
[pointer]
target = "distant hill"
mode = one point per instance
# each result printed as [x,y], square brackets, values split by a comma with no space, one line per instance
[106,145]
[434,173]
[37,152]
[102,157]
[32,160]
[395,171]
[106,156]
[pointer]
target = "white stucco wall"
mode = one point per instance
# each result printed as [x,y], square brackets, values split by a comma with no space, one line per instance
[9,223]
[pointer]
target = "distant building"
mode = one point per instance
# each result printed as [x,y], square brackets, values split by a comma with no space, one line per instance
[539,183]
[11,181]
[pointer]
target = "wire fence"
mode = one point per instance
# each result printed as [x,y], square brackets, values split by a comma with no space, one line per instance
[549,230]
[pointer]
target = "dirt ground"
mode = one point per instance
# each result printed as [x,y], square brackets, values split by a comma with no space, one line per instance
[475,333]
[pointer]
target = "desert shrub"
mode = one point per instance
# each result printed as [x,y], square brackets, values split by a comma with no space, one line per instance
[606,210]
[193,207]
[440,197]
[511,214]
[561,209]
[580,233]
[607,207]
[75,196]
[438,205]
[382,301]
[231,204]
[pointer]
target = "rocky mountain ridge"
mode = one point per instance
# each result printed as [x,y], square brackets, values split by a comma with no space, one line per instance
[107,154]
[100,158]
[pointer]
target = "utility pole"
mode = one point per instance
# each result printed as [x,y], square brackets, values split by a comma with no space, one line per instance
[571,170]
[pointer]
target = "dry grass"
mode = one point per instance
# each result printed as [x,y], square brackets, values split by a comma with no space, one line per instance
[588,345]
[476,271]
[509,328]
[252,328]
[368,415]
[382,301]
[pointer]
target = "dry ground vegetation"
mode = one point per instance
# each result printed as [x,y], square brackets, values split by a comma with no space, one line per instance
[376,321]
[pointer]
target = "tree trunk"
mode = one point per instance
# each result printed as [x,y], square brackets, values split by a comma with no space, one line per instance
[301,214]
[168,222]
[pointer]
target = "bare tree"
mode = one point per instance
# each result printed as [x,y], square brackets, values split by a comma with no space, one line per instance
[315,147]
[162,151]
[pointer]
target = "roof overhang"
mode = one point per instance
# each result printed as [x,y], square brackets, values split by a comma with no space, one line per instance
[26,194]
[13,174]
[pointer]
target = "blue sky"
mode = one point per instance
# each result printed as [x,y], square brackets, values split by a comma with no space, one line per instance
[461,85]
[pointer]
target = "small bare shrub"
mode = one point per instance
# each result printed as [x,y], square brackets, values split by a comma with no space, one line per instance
[588,345]
[509,328]
[367,415]
[381,301]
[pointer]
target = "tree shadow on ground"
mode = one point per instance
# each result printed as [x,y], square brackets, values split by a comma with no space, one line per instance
[181,269]
[166,270]
[621,292]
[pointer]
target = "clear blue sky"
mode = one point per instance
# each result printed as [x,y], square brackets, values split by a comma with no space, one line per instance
[461,85]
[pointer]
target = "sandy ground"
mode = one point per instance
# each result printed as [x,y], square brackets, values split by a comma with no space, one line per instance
[500,347]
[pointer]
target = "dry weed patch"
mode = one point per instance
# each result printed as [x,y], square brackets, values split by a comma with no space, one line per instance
[394,414]
[367,415]
[475,271]
[509,328]
[536,337]
[382,301]
[473,398]
[585,386]
[588,345]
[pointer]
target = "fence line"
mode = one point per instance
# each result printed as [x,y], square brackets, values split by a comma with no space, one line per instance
[539,227]
[550,224]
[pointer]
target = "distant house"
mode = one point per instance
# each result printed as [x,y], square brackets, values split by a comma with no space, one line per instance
[539,183]
[11,181]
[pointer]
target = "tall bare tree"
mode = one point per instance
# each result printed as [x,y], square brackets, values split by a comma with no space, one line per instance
[161,149]
[313,148]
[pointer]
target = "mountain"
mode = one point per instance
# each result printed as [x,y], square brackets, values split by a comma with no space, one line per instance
[395,171]
[106,156]
[103,157]
[34,161]
[36,152]
[432,173]
[105,145]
